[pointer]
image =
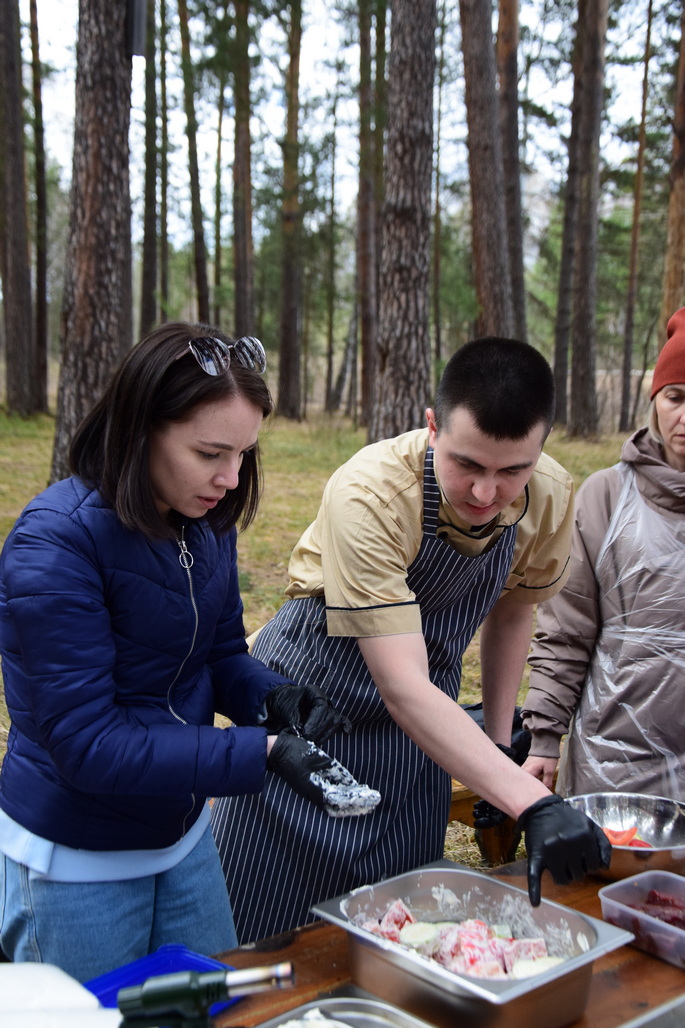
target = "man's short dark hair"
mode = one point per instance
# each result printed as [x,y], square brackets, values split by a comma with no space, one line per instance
[506,385]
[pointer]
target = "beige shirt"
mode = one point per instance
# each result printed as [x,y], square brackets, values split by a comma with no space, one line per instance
[368,530]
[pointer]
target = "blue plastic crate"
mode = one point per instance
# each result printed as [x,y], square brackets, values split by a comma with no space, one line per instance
[165,960]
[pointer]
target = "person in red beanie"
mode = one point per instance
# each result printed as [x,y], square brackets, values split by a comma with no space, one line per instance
[608,656]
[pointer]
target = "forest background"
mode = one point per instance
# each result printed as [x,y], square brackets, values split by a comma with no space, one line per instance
[364,185]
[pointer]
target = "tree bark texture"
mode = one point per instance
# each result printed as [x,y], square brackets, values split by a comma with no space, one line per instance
[564,313]
[492,271]
[437,209]
[41,223]
[200,248]
[380,94]
[96,315]
[148,292]
[23,394]
[584,416]
[366,215]
[674,269]
[507,68]
[332,250]
[403,381]
[243,251]
[218,204]
[163,169]
[625,417]
[289,385]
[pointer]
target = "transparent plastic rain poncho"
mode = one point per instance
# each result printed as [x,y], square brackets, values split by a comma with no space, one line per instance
[628,732]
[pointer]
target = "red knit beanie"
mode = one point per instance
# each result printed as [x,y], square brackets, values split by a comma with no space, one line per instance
[670,364]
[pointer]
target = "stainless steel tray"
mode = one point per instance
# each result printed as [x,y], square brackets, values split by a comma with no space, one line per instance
[444,891]
[356,1011]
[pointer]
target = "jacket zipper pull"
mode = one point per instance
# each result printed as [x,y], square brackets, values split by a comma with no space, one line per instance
[185,557]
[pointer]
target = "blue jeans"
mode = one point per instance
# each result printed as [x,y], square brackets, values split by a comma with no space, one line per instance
[90,928]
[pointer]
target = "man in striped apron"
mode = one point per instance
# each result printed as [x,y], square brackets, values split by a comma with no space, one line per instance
[419,540]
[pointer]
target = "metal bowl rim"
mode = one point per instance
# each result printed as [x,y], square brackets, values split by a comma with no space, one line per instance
[638,796]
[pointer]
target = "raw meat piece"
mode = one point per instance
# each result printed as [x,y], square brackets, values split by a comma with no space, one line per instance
[471,947]
[665,907]
[478,969]
[343,795]
[475,927]
[665,899]
[394,919]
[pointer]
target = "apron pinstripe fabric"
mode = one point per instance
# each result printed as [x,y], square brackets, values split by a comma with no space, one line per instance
[280,853]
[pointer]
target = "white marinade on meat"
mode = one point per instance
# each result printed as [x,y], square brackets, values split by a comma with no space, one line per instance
[470,947]
[343,795]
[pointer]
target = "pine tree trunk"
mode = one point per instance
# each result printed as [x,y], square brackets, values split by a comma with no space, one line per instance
[289,385]
[243,253]
[148,291]
[347,367]
[96,312]
[492,271]
[218,199]
[163,169]
[584,419]
[41,242]
[564,313]
[331,256]
[23,394]
[200,249]
[380,91]
[507,66]
[674,267]
[626,398]
[403,382]
[437,209]
[366,216]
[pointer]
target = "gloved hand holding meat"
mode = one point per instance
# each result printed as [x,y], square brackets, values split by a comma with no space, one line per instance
[319,777]
[305,708]
[563,840]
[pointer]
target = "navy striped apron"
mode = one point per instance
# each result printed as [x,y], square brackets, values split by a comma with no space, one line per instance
[280,853]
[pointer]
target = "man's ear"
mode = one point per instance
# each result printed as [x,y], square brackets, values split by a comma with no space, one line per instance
[432,427]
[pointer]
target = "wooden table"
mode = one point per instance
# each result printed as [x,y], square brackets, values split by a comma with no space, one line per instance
[625,984]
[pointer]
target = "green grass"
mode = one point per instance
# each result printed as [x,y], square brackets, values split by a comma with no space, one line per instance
[25,455]
[298,459]
[581,457]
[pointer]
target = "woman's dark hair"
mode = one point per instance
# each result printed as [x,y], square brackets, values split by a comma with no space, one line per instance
[506,385]
[160,381]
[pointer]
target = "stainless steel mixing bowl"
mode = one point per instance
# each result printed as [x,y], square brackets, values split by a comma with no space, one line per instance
[659,821]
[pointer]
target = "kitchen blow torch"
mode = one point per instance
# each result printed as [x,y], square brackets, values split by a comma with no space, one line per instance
[183,999]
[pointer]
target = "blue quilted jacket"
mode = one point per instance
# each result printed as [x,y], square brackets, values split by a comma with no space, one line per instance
[114,659]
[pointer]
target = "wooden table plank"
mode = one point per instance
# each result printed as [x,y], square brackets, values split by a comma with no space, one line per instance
[319,954]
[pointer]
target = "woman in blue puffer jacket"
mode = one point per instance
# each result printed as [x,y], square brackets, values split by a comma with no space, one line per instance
[121,635]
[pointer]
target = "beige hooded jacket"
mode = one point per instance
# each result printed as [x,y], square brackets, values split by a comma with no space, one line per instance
[608,657]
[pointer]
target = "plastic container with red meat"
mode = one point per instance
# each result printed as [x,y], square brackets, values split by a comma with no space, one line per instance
[633,904]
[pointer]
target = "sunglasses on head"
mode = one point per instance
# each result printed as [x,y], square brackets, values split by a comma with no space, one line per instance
[214,355]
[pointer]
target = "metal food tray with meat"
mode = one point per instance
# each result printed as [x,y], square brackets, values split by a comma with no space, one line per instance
[418,984]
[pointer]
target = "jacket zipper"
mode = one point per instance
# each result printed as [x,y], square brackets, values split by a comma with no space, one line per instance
[185,559]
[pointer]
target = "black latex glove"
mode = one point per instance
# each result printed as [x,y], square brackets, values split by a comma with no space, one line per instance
[485,814]
[296,760]
[563,840]
[306,708]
